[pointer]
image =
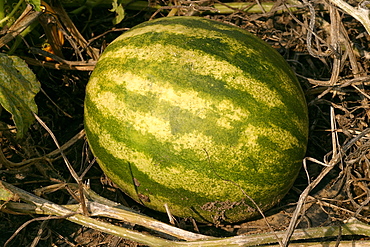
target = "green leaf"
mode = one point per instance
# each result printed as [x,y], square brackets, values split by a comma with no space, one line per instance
[5,194]
[120,12]
[36,4]
[18,87]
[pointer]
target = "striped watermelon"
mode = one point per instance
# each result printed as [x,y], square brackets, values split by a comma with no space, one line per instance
[196,116]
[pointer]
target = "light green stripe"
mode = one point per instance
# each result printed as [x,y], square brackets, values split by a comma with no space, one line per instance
[186,99]
[202,64]
[283,138]
[201,32]
[109,105]
[299,124]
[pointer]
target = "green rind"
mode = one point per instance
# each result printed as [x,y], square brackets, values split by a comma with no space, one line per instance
[195,114]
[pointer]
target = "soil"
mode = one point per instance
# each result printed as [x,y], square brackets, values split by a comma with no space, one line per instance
[329,54]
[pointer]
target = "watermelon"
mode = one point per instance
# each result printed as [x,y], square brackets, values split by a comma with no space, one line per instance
[197,117]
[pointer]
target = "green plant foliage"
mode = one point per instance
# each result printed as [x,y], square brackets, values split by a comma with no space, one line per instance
[36,4]
[5,194]
[18,87]
[119,10]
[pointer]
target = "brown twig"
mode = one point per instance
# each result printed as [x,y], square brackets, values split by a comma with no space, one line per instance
[28,16]
[70,65]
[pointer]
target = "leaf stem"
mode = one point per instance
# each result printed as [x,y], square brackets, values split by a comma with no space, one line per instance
[6,18]
[2,11]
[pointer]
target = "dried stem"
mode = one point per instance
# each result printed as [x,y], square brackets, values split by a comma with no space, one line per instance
[71,213]
[360,13]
